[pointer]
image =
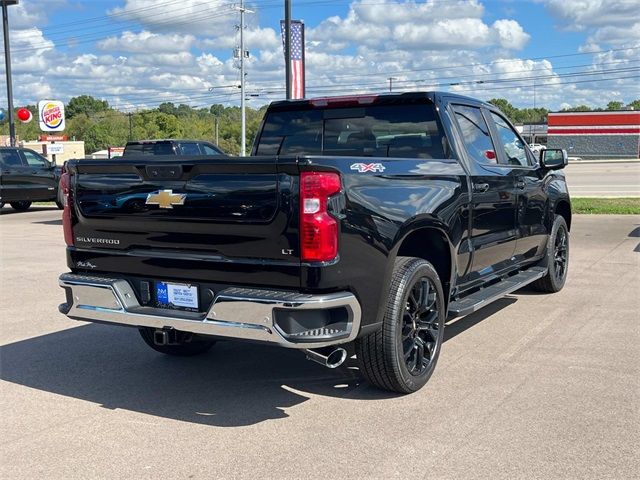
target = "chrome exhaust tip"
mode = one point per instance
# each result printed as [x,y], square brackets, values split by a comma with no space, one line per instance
[329,357]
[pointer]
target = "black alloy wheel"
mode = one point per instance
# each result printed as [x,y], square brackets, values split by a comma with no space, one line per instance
[420,329]
[557,259]
[561,253]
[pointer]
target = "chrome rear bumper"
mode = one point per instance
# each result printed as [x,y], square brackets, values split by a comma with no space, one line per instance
[242,313]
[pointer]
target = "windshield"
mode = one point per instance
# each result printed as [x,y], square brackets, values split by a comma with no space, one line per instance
[405,131]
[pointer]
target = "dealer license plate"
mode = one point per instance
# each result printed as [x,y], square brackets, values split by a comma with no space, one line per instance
[177,295]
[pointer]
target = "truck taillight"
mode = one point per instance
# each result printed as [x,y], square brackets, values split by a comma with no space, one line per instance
[65,185]
[318,229]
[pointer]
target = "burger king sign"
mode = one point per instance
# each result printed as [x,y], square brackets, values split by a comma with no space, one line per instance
[51,114]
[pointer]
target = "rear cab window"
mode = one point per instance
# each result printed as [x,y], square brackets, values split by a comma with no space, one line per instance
[386,130]
[190,148]
[148,148]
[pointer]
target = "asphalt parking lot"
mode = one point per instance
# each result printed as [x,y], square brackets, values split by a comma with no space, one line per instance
[532,386]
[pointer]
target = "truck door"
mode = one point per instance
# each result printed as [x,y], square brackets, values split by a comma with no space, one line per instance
[15,176]
[493,203]
[40,176]
[532,199]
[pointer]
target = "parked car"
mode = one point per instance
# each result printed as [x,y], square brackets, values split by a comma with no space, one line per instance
[170,147]
[363,220]
[537,147]
[26,177]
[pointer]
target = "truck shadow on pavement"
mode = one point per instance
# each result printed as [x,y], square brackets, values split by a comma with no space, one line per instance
[235,384]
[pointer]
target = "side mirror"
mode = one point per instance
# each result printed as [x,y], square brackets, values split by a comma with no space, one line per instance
[553,158]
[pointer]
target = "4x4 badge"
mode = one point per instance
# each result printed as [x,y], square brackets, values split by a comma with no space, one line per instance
[166,198]
[368,167]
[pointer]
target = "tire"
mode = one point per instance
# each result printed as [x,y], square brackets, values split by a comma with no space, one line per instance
[394,358]
[21,206]
[187,345]
[59,200]
[557,259]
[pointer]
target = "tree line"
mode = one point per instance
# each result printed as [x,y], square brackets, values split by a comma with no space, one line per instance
[100,126]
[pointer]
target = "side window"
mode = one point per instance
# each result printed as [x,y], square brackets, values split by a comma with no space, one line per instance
[475,134]
[511,144]
[208,150]
[34,160]
[11,158]
[189,149]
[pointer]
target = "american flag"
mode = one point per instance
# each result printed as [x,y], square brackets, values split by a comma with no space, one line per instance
[297,56]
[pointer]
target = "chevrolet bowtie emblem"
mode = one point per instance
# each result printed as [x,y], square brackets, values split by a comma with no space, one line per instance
[166,198]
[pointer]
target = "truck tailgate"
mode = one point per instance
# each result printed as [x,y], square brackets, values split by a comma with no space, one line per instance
[224,210]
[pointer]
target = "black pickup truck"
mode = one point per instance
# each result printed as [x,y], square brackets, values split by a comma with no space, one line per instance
[368,220]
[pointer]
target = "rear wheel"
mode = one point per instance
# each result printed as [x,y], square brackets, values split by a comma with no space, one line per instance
[557,258]
[402,355]
[21,206]
[181,344]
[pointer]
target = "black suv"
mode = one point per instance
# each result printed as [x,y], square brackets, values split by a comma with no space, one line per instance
[170,147]
[26,177]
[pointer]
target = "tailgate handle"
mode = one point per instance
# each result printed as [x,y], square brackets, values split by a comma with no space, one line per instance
[164,172]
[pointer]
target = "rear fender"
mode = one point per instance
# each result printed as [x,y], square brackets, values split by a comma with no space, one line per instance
[426,226]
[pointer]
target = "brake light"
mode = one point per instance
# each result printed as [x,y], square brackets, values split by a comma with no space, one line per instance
[318,229]
[65,185]
[343,100]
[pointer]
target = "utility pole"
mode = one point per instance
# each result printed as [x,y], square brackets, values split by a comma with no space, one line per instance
[7,63]
[242,54]
[287,46]
[391,79]
[130,115]
[216,118]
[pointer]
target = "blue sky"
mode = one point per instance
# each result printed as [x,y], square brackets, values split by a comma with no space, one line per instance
[138,53]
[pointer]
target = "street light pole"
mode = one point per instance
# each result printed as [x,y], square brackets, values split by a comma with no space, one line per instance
[7,62]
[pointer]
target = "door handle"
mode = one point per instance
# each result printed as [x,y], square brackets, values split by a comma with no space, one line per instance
[480,187]
[520,185]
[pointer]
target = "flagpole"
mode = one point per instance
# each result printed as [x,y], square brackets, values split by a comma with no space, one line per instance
[304,64]
[287,46]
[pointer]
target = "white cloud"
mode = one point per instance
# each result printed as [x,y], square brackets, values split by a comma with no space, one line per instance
[419,26]
[510,34]
[191,16]
[580,14]
[255,39]
[147,42]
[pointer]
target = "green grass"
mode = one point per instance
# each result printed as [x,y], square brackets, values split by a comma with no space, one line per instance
[606,206]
